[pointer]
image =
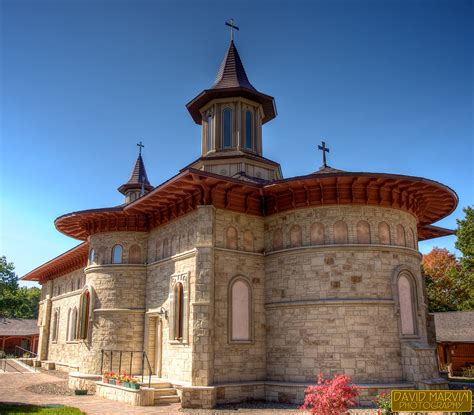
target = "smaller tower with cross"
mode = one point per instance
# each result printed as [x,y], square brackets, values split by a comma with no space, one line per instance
[138,184]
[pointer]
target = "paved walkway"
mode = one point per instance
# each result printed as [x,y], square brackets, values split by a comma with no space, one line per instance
[13,390]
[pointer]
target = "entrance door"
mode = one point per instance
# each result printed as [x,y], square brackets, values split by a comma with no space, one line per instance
[158,346]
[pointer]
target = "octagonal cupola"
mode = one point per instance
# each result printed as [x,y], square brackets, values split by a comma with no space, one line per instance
[231,114]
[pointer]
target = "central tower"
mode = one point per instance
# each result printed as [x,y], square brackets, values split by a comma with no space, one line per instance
[232,113]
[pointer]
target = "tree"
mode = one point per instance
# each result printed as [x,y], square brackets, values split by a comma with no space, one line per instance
[465,239]
[15,301]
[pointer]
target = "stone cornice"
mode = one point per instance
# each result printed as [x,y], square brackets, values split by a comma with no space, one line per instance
[106,267]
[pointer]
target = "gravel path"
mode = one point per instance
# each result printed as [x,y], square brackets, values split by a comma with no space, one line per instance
[53,388]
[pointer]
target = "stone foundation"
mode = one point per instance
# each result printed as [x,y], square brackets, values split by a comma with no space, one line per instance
[140,397]
[198,397]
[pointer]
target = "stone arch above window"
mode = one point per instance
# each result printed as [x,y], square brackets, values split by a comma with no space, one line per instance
[231,238]
[341,235]
[117,254]
[240,310]
[296,237]
[363,232]
[384,233]
[400,236]
[407,300]
[249,242]
[135,255]
[317,233]
[277,239]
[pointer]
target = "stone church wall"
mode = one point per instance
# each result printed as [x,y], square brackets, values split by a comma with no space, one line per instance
[332,308]
[234,362]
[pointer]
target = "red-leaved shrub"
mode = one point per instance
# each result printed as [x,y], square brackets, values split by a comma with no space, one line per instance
[330,396]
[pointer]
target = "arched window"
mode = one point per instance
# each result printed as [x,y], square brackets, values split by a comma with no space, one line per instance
[277,240]
[135,255]
[55,330]
[241,311]
[101,255]
[317,234]
[400,236]
[384,233]
[406,297]
[231,238]
[227,127]
[91,256]
[248,130]
[73,326]
[117,254]
[249,244]
[363,232]
[295,236]
[340,232]
[179,311]
[85,303]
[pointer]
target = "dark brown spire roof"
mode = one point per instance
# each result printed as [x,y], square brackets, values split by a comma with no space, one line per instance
[137,178]
[231,81]
[232,73]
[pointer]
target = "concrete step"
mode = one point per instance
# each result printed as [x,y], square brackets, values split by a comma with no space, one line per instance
[166,399]
[165,392]
[158,385]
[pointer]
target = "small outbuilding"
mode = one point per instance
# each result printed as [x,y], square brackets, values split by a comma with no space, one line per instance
[455,339]
[18,332]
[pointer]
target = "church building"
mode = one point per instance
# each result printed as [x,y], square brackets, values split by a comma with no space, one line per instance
[229,282]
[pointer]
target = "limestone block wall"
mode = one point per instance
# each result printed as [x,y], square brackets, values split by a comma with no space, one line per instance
[175,356]
[176,237]
[334,307]
[235,361]
[327,225]
[65,292]
[134,246]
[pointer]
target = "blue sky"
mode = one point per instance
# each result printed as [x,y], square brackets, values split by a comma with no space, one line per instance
[387,85]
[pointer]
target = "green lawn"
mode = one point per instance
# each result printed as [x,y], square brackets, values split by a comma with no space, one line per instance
[31,409]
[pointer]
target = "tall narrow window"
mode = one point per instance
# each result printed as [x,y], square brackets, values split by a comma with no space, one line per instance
[405,293]
[117,252]
[135,255]
[179,311]
[73,327]
[227,127]
[84,315]
[241,311]
[55,325]
[209,132]
[248,130]
[91,256]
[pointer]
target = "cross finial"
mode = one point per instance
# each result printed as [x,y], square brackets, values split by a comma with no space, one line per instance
[232,26]
[325,150]
[140,145]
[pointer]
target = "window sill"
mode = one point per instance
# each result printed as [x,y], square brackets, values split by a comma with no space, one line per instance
[72,341]
[241,342]
[177,342]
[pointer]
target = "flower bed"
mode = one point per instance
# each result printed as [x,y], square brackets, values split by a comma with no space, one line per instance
[123,380]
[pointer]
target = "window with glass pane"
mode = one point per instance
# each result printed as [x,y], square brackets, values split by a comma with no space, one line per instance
[117,252]
[248,129]
[209,132]
[227,127]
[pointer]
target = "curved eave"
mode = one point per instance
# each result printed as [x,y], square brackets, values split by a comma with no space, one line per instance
[267,101]
[70,261]
[428,200]
[430,232]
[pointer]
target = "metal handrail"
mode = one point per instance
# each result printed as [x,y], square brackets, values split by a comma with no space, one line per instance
[19,349]
[144,357]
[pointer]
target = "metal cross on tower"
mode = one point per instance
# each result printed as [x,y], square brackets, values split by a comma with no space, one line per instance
[325,150]
[232,26]
[140,145]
